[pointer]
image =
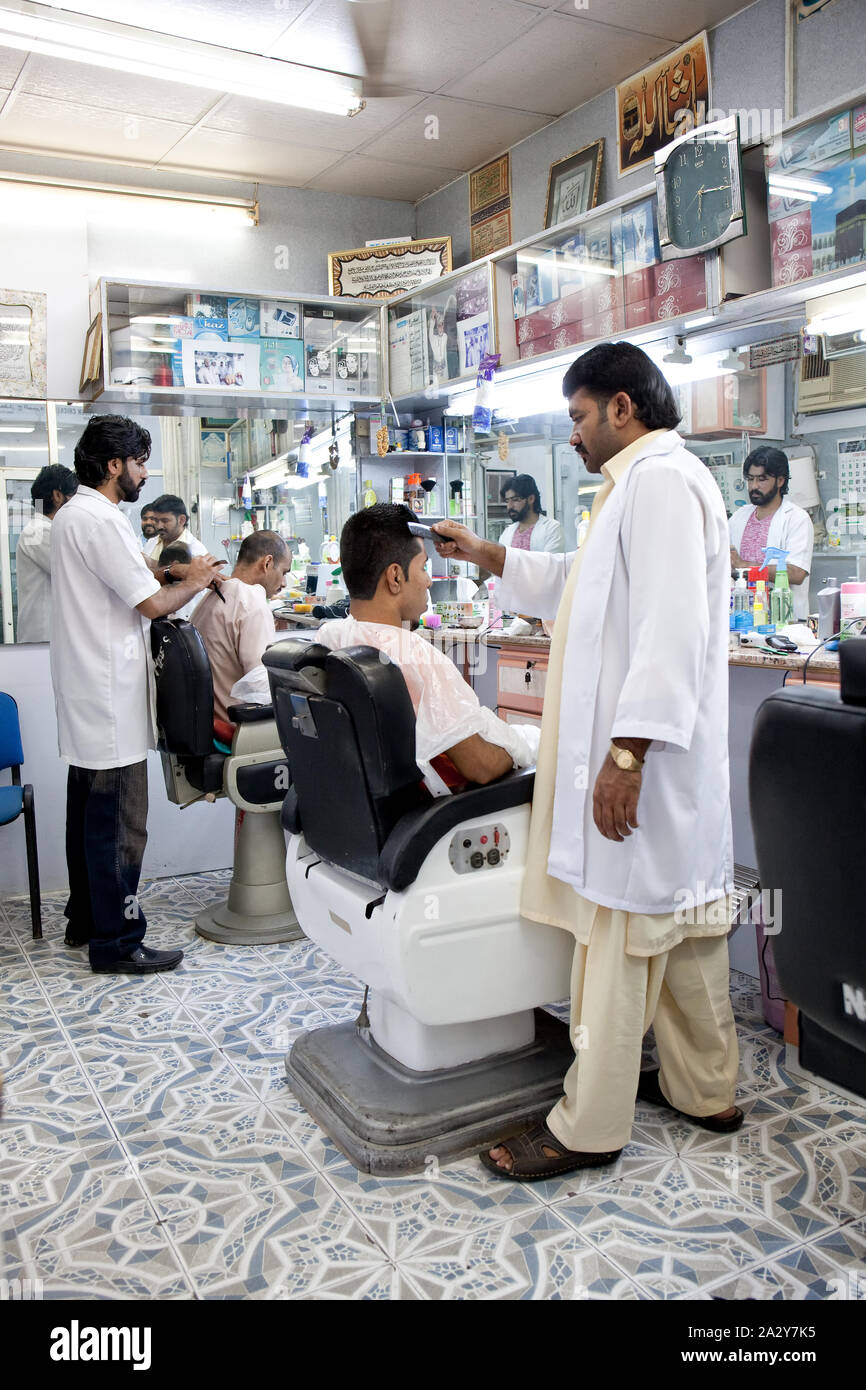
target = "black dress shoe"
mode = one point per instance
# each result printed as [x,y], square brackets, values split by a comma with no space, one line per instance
[648,1089]
[141,961]
[71,939]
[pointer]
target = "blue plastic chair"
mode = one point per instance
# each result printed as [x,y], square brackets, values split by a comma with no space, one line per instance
[17,799]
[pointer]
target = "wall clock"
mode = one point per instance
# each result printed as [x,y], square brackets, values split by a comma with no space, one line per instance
[699,180]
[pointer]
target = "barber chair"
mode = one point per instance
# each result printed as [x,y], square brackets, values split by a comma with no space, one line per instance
[254,776]
[807,789]
[418,897]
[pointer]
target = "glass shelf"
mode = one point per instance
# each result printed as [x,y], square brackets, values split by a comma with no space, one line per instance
[437,335]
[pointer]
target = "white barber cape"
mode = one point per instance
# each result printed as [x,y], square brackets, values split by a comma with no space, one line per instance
[643,653]
[791,529]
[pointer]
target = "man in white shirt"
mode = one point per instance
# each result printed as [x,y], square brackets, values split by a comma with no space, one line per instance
[52,486]
[237,631]
[147,521]
[630,842]
[772,519]
[531,528]
[171,520]
[103,596]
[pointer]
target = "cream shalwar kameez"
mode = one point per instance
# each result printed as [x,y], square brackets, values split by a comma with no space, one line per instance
[639,650]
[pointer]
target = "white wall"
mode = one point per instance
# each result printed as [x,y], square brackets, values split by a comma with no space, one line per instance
[179,842]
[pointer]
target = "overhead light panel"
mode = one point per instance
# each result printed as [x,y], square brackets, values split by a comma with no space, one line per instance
[57,33]
[243,211]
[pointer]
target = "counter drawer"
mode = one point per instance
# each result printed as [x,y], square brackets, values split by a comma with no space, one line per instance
[521,683]
[518,716]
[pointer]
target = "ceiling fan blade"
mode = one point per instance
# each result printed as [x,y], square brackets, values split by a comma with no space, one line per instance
[371,20]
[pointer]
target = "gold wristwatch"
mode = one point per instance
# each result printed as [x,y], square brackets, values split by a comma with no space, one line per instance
[624,759]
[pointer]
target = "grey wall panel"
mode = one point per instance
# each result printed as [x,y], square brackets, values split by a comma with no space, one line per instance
[830,49]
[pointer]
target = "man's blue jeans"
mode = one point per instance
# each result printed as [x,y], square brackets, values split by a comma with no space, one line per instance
[106,832]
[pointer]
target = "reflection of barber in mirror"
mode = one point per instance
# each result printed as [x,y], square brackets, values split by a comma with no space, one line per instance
[103,592]
[630,844]
[147,521]
[237,631]
[531,528]
[52,486]
[772,519]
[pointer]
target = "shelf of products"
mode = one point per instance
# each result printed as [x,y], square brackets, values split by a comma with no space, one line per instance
[437,335]
[165,341]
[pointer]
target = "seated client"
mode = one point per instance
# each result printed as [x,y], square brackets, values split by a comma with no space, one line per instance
[384,572]
[236,632]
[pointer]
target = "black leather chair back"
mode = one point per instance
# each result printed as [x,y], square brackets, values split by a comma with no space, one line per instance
[184,688]
[807,788]
[347,727]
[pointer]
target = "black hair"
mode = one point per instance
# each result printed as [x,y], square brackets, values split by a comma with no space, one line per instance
[147,508]
[261,543]
[109,437]
[174,506]
[55,477]
[371,540]
[178,553]
[773,462]
[611,367]
[522,486]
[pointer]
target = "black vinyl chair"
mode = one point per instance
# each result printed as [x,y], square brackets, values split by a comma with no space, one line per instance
[807,790]
[16,800]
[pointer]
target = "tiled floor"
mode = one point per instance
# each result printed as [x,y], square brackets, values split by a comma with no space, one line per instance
[150,1147]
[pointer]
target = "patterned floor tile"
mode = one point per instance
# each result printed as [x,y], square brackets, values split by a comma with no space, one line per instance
[225,1153]
[111,1270]
[263,1018]
[294,1241]
[535,1255]
[153,1084]
[805,1181]
[671,1231]
[104,1206]
[818,1270]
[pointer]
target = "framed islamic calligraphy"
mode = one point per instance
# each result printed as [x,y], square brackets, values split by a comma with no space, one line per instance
[572,184]
[662,102]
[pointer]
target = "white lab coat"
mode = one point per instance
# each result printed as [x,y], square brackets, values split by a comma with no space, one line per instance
[791,529]
[646,657]
[33,567]
[547,534]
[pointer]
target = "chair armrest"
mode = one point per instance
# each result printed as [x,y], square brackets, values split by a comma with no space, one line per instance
[415,834]
[250,714]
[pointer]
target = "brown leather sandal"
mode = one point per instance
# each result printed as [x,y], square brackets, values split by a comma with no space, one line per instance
[649,1089]
[529,1162]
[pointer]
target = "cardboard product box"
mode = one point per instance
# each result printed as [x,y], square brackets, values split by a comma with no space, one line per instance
[435,439]
[281,365]
[243,317]
[206,306]
[685,301]
[639,313]
[472,295]
[611,321]
[518,294]
[638,285]
[604,294]
[535,346]
[568,335]
[535,325]
[677,275]
[791,239]
[634,237]
[453,441]
[279,318]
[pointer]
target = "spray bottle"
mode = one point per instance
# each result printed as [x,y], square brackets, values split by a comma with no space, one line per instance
[782,600]
[582,528]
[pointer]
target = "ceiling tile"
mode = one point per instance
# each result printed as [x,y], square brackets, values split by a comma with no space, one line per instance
[267,120]
[243,157]
[429,44]
[377,178]
[62,128]
[60,81]
[558,65]
[466,134]
[669,18]
[10,65]
[249,24]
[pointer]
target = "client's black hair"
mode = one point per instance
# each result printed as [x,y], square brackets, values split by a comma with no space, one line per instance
[109,437]
[371,540]
[611,367]
[178,553]
[773,462]
[55,477]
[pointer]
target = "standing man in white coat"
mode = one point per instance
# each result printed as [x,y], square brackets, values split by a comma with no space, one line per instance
[772,519]
[630,843]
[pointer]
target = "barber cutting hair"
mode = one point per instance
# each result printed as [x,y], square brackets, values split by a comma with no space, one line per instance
[630,841]
[103,594]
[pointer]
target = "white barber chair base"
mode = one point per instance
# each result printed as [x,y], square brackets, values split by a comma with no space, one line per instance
[387,1118]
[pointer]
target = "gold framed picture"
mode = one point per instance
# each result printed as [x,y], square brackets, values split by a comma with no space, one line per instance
[91,362]
[572,184]
[662,102]
[377,272]
[490,184]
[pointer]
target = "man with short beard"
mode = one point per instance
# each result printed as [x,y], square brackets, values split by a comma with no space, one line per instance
[103,596]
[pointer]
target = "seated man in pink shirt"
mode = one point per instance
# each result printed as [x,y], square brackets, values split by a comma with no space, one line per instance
[237,631]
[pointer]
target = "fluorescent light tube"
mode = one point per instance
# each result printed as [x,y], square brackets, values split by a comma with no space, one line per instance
[35,28]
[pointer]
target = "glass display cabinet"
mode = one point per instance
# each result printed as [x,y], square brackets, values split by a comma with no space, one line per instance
[437,335]
[180,346]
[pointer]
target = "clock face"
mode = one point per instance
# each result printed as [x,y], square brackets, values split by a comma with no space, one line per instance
[699,188]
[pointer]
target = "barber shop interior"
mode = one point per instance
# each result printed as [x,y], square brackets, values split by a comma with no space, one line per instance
[433,665]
